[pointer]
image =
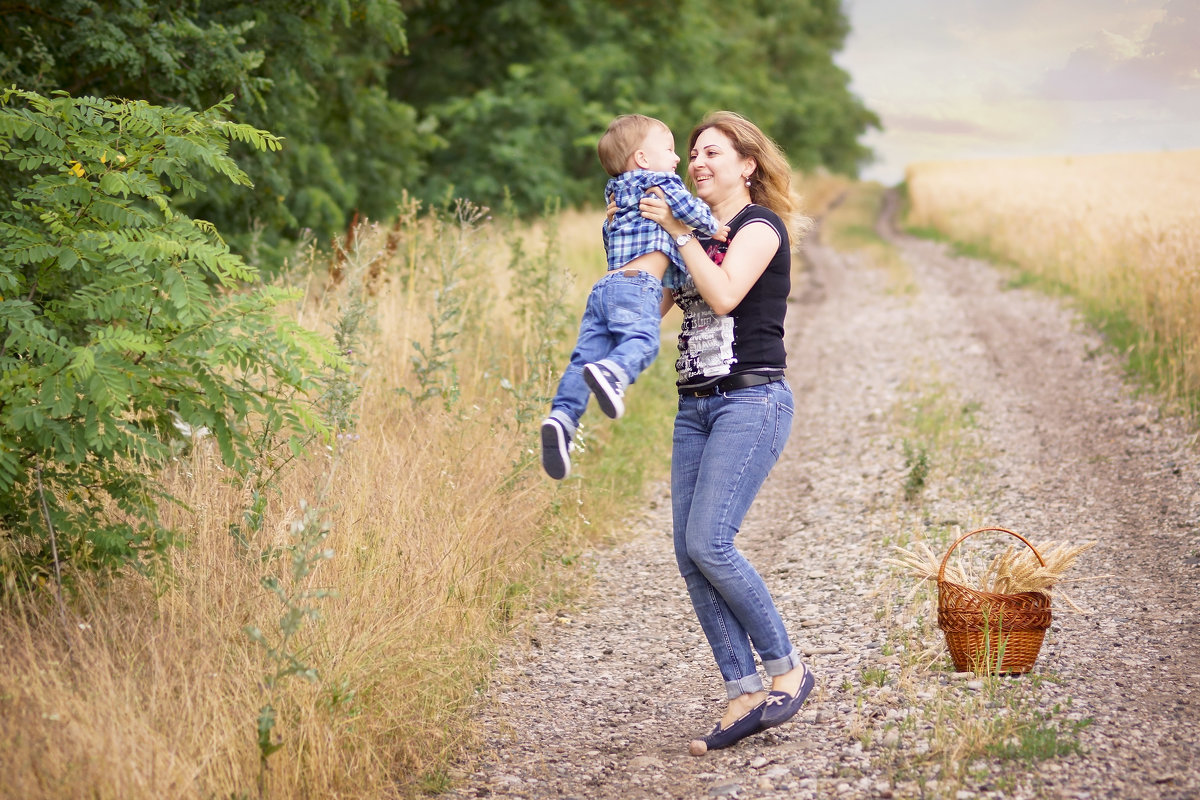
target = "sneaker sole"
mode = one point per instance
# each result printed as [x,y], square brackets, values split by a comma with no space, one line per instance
[609,401]
[555,458]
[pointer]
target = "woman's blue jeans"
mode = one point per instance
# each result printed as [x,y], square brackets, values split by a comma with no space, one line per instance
[724,447]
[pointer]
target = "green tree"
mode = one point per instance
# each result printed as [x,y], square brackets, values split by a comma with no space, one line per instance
[522,89]
[121,315]
[312,72]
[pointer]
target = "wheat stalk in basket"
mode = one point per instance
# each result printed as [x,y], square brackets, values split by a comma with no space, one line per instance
[1013,571]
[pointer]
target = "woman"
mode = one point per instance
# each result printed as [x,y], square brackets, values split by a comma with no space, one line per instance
[735,412]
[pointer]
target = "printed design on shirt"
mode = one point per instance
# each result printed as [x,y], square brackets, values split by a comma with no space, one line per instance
[705,338]
[717,253]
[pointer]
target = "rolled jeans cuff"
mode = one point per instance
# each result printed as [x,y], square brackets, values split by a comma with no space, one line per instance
[778,666]
[747,685]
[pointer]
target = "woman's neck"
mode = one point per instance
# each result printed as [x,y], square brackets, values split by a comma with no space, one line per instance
[726,210]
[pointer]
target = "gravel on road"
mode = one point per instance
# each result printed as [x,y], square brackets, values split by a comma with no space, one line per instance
[1026,422]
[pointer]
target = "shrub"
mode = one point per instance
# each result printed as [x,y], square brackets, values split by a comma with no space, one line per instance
[123,321]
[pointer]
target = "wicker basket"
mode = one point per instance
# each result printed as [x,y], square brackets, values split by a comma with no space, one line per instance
[990,633]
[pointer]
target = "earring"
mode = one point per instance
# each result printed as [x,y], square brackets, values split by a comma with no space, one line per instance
[747,183]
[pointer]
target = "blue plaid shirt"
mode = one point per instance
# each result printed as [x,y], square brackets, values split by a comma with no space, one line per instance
[630,235]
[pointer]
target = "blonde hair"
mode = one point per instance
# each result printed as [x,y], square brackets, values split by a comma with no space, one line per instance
[624,136]
[771,181]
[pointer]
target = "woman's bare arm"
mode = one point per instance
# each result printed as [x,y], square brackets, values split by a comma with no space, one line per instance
[722,287]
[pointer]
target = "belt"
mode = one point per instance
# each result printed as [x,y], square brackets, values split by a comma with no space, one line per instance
[742,380]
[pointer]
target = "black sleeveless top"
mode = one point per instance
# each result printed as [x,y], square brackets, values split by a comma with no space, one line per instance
[748,339]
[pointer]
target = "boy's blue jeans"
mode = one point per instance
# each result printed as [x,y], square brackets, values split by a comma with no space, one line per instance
[620,328]
[724,447]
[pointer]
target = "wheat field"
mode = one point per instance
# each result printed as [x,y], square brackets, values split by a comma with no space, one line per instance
[1122,232]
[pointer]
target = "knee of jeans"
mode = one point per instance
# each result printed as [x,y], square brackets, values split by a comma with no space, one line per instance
[706,554]
[687,567]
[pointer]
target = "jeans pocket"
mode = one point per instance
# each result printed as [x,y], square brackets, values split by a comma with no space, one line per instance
[627,302]
[783,427]
[750,395]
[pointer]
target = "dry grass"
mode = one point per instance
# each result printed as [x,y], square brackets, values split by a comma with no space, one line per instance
[850,227]
[1121,231]
[821,191]
[442,531]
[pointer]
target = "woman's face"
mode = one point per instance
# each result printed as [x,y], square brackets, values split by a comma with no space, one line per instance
[716,168]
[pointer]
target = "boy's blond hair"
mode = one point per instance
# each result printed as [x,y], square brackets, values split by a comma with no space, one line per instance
[624,136]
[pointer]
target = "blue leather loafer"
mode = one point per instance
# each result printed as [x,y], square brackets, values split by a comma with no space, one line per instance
[719,738]
[779,707]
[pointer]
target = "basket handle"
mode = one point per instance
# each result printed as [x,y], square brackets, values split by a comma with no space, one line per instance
[945,558]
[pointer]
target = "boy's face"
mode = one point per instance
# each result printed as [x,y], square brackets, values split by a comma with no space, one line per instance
[658,151]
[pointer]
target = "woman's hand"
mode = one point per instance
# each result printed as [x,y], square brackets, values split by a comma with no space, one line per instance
[611,210]
[722,287]
[668,302]
[654,207]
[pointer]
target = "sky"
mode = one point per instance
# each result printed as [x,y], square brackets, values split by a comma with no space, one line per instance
[960,79]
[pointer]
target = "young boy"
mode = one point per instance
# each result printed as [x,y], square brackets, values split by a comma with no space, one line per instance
[619,334]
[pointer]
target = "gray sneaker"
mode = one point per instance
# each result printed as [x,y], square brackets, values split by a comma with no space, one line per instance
[556,456]
[607,387]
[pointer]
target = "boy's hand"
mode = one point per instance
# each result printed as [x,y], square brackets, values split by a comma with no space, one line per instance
[722,235]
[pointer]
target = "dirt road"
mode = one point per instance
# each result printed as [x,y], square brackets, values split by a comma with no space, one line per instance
[1033,429]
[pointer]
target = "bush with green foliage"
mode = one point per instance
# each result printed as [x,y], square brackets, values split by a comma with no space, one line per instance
[119,316]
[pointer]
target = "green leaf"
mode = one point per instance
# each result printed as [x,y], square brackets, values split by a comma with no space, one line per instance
[67,257]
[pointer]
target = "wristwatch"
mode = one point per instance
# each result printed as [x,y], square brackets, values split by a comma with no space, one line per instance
[683,239]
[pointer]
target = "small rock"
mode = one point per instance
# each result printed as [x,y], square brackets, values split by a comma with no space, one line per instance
[644,762]
[725,790]
[820,651]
